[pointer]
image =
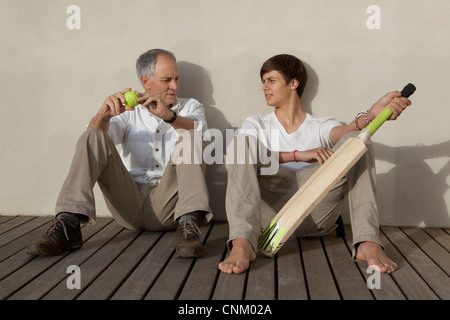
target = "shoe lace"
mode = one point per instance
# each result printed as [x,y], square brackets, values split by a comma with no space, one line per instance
[188,228]
[54,226]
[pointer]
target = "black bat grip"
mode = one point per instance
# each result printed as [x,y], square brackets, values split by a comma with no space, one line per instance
[408,90]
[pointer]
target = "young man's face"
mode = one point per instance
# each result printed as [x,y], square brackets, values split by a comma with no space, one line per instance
[275,88]
[165,80]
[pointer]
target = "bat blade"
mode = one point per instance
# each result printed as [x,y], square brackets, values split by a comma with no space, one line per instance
[309,195]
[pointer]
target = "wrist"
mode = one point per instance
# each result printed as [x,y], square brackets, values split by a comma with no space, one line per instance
[172,116]
[103,117]
[360,124]
[370,115]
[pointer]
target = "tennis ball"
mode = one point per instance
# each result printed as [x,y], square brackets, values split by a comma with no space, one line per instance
[131,99]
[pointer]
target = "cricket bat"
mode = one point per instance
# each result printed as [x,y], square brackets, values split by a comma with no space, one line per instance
[319,184]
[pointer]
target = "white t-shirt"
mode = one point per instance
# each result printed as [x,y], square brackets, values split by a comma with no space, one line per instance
[314,132]
[147,141]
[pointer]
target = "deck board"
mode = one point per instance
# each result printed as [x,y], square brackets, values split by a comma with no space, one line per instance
[121,264]
[39,276]
[291,277]
[438,281]
[319,277]
[350,282]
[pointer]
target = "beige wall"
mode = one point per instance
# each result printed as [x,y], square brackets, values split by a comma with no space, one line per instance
[54,79]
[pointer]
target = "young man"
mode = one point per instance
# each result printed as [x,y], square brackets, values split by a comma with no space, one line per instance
[145,187]
[303,143]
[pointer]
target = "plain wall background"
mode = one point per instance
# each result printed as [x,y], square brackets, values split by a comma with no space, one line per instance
[53,80]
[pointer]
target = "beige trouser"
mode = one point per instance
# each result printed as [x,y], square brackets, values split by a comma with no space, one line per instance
[247,189]
[139,206]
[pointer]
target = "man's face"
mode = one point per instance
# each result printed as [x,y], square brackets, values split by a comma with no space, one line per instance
[165,81]
[276,90]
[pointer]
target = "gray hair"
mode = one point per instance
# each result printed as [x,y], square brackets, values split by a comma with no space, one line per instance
[145,64]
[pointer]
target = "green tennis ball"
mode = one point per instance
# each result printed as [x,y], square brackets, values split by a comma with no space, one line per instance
[131,99]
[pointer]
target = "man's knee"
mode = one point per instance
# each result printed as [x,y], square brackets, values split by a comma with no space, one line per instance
[95,137]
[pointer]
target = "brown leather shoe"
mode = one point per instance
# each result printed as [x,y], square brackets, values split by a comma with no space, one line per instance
[190,239]
[56,239]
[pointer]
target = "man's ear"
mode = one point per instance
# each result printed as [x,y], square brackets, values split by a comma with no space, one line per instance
[145,82]
[294,84]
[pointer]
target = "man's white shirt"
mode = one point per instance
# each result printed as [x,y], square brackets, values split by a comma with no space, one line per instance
[147,141]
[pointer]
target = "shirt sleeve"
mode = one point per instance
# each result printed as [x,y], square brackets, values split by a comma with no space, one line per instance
[117,128]
[196,111]
[251,127]
[324,131]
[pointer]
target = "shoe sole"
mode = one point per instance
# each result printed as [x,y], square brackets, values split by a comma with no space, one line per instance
[36,251]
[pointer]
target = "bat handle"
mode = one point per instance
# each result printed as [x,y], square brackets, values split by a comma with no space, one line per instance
[381,118]
[385,114]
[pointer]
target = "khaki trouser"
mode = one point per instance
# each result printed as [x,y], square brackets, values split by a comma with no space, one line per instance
[247,189]
[155,207]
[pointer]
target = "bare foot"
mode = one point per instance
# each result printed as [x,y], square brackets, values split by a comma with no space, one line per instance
[240,257]
[373,254]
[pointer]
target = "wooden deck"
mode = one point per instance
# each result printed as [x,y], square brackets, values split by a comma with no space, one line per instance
[120,264]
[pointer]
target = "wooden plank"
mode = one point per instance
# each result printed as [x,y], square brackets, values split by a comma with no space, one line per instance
[91,268]
[431,248]
[4,219]
[43,273]
[170,283]
[351,283]
[440,236]
[13,255]
[261,279]
[21,230]
[388,289]
[201,281]
[13,223]
[406,278]
[13,263]
[140,281]
[133,266]
[19,244]
[108,281]
[424,266]
[230,286]
[319,278]
[291,279]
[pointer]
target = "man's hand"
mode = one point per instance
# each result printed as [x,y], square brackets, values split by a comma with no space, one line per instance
[396,102]
[155,104]
[112,106]
[319,155]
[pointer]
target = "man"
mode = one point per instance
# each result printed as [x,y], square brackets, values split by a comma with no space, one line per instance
[304,142]
[145,187]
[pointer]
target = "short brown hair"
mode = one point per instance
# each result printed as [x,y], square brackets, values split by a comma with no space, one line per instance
[290,67]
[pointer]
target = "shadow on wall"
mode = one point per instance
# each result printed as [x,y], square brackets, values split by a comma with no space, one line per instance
[411,191]
[195,82]
[311,88]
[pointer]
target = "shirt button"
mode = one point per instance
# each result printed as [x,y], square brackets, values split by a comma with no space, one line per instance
[157,150]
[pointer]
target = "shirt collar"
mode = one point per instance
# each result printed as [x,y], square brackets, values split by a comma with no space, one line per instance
[176,106]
